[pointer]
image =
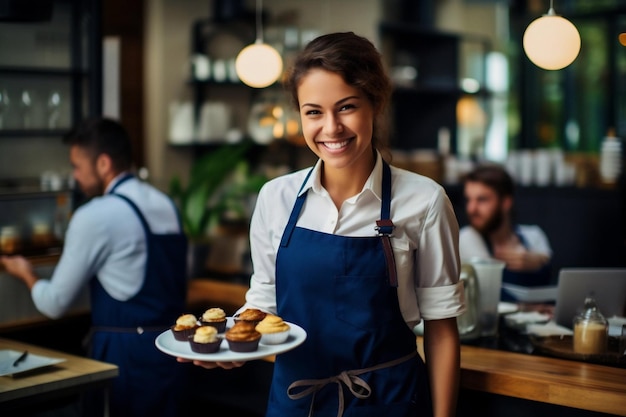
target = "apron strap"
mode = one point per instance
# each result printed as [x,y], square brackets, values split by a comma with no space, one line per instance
[385,226]
[295,213]
[357,386]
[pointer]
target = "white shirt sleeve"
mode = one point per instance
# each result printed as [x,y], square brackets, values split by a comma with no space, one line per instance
[472,244]
[536,239]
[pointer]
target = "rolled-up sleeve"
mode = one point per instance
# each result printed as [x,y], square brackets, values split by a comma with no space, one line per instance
[439,293]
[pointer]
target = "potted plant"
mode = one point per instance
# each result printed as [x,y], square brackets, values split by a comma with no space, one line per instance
[218,189]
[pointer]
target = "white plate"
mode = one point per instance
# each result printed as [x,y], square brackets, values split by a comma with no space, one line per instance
[166,343]
[7,357]
[507,308]
[531,294]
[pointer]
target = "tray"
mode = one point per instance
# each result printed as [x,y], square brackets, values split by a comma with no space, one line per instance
[166,343]
[563,347]
[31,362]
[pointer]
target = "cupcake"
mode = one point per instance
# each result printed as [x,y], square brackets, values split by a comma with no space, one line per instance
[205,340]
[215,317]
[251,315]
[184,327]
[273,330]
[242,337]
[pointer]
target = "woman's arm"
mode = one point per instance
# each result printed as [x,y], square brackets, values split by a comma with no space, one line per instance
[443,360]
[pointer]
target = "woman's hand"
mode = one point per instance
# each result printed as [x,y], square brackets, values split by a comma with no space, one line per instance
[212,365]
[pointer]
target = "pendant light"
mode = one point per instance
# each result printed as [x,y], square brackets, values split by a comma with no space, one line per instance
[259,65]
[551,42]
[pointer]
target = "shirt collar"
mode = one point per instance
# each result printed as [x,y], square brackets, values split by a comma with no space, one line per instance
[115,181]
[374,183]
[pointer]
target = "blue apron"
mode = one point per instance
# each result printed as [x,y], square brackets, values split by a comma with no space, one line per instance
[527,279]
[150,383]
[359,358]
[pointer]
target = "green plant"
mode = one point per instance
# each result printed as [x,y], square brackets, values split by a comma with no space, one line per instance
[219,182]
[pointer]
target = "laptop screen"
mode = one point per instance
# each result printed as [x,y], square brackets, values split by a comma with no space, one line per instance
[606,285]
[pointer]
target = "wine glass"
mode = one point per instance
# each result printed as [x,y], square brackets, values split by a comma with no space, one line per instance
[26,105]
[5,102]
[54,109]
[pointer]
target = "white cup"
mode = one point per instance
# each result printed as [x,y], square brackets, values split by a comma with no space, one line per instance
[489,273]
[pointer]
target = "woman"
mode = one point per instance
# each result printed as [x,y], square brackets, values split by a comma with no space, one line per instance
[320,261]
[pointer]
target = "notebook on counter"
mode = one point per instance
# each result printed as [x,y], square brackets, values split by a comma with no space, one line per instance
[606,285]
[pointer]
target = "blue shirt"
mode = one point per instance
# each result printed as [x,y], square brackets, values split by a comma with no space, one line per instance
[105,238]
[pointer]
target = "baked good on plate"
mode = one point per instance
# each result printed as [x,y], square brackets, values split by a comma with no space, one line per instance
[185,326]
[205,340]
[243,337]
[251,315]
[215,317]
[273,330]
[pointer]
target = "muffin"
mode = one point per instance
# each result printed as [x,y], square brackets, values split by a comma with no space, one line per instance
[273,330]
[251,315]
[242,337]
[215,317]
[185,326]
[205,340]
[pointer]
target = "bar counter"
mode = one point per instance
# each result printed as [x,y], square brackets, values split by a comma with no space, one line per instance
[560,382]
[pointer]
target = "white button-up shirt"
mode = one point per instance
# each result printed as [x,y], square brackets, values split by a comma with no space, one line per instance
[425,239]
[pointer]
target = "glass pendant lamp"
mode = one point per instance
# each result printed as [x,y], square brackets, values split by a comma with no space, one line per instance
[551,42]
[259,65]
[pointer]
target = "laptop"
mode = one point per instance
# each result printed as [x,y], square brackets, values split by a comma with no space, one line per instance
[606,285]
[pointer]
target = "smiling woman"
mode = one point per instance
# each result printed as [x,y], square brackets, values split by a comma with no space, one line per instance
[321,238]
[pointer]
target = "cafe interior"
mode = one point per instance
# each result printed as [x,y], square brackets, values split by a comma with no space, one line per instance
[538,86]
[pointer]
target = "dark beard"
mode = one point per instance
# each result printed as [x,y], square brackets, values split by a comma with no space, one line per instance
[492,224]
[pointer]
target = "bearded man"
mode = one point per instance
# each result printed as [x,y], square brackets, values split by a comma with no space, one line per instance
[492,233]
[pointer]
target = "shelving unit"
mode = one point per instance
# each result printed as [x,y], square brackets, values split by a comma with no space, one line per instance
[57,61]
[427,102]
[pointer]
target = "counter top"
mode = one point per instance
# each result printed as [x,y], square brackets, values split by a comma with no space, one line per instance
[554,381]
[73,375]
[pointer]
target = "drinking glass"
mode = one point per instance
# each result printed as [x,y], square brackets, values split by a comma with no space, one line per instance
[489,273]
[26,107]
[54,109]
[5,102]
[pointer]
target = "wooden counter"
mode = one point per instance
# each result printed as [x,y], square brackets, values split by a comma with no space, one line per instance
[553,381]
[74,375]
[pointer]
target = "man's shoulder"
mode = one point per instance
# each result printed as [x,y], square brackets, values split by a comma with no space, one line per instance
[468,231]
[530,229]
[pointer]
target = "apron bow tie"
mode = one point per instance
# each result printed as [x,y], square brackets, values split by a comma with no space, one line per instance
[357,386]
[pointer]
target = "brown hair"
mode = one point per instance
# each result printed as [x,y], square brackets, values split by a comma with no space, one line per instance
[100,135]
[494,176]
[358,62]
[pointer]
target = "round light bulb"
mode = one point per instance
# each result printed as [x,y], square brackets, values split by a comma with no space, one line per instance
[551,42]
[258,65]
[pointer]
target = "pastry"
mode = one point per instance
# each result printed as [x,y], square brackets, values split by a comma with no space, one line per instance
[185,326]
[242,337]
[215,317]
[273,330]
[205,340]
[251,315]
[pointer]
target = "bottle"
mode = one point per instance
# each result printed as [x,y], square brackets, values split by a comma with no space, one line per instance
[591,330]
[610,158]
[468,323]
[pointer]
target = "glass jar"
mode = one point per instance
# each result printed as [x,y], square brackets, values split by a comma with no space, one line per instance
[591,330]
[9,240]
[468,323]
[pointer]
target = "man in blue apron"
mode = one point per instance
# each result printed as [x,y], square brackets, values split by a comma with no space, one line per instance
[489,192]
[126,244]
